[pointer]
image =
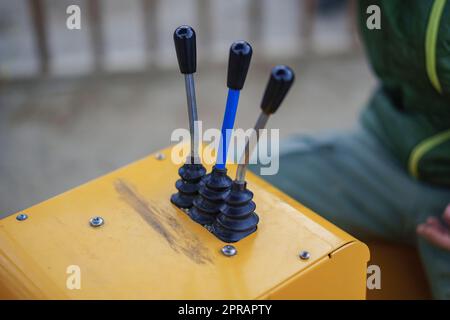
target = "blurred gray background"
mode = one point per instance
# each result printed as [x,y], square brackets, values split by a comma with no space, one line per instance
[76,104]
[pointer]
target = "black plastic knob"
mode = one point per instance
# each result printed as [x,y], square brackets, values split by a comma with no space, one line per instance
[280,81]
[185,46]
[238,64]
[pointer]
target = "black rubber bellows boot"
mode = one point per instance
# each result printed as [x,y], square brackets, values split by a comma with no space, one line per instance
[191,174]
[237,218]
[214,188]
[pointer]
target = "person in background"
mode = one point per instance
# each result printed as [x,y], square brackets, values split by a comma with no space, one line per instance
[390,177]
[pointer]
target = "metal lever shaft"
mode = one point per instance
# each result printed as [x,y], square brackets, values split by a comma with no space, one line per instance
[280,81]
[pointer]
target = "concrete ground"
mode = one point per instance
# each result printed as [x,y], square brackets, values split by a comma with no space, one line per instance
[58,133]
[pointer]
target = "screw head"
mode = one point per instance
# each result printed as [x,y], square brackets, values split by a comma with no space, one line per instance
[229,250]
[304,255]
[21,217]
[159,156]
[96,221]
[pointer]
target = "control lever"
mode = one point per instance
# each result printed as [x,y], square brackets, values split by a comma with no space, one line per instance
[237,218]
[192,171]
[216,185]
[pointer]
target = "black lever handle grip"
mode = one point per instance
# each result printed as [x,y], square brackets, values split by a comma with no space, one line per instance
[238,64]
[185,46]
[280,81]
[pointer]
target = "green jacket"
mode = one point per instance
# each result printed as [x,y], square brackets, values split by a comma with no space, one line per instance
[410,111]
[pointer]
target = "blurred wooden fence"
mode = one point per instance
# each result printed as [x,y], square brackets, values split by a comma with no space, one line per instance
[137,35]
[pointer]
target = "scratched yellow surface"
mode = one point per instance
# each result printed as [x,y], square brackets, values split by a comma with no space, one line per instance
[149,249]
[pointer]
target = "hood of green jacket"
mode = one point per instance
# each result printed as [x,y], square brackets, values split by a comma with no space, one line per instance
[410,55]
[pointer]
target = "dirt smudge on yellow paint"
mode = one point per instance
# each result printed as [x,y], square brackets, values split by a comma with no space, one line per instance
[166,225]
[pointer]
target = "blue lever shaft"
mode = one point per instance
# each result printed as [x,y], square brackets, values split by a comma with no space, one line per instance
[227,126]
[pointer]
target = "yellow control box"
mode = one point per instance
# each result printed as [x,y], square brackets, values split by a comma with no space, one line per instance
[149,249]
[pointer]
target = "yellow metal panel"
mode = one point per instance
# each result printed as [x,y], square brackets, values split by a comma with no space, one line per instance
[341,275]
[149,249]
